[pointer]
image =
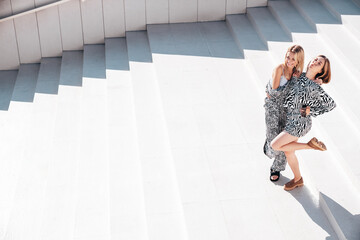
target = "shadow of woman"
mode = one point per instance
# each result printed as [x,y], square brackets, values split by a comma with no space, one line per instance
[311,205]
[348,224]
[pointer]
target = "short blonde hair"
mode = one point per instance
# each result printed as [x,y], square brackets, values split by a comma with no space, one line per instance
[299,57]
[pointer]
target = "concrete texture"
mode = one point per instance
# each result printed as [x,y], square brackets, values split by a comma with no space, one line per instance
[159,135]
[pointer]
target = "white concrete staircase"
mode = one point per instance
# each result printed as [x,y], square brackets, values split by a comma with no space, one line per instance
[159,135]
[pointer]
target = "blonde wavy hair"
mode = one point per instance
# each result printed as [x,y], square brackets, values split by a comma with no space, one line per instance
[299,57]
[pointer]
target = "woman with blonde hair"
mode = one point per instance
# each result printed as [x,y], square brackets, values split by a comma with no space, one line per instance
[275,114]
[305,99]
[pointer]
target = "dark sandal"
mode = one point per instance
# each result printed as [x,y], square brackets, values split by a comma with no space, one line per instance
[274,173]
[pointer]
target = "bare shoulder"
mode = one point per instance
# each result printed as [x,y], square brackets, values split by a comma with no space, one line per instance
[279,68]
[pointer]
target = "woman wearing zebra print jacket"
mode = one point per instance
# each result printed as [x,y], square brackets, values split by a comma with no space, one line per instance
[304,100]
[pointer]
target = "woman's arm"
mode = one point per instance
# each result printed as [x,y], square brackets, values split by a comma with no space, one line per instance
[276,75]
[320,101]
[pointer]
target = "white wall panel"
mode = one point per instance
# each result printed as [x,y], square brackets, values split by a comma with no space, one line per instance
[8,48]
[235,6]
[39,3]
[49,32]
[183,11]
[157,11]
[211,10]
[135,15]
[28,38]
[114,18]
[256,3]
[93,21]
[5,8]
[71,26]
[22,5]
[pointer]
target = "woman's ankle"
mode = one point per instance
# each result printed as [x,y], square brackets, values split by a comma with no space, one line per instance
[297,178]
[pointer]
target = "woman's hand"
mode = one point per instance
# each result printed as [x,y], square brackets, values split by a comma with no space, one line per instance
[318,81]
[305,111]
[296,74]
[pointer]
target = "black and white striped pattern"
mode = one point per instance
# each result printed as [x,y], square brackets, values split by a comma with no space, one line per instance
[275,118]
[305,92]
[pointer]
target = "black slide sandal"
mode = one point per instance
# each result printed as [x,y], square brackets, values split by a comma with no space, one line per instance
[274,173]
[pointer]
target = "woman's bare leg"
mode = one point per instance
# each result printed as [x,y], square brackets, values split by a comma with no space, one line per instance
[294,164]
[287,143]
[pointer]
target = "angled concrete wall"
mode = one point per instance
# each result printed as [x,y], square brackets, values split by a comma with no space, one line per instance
[70,25]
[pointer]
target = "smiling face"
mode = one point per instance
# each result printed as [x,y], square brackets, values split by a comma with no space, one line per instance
[294,58]
[317,64]
[290,60]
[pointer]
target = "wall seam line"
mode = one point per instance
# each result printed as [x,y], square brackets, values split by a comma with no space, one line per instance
[61,40]
[103,18]
[197,10]
[16,37]
[124,10]
[146,20]
[82,23]
[38,30]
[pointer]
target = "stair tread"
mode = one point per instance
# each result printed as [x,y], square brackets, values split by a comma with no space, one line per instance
[33,171]
[127,215]
[294,21]
[316,12]
[267,25]
[7,82]
[92,209]
[208,168]
[347,12]
[25,85]
[318,170]
[161,197]
[59,213]
[16,122]
[347,102]
[156,136]
[343,43]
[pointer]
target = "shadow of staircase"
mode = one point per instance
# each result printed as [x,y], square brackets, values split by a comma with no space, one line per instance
[156,135]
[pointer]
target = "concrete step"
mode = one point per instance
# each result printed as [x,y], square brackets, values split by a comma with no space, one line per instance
[321,169]
[92,220]
[13,138]
[211,160]
[343,44]
[347,12]
[60,199]
[7,81]
[33,175]
[190,89]
[307,197]
[267,30]
[127,208]
[347,109]
[254,49]
[357,2]
[165,216]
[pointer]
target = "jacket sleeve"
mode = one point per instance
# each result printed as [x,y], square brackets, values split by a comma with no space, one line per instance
[320,102]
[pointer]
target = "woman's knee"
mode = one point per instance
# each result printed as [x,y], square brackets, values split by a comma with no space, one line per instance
[275,145]
[289,154]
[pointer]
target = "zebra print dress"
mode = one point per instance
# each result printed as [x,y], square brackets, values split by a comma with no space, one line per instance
[305,92]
